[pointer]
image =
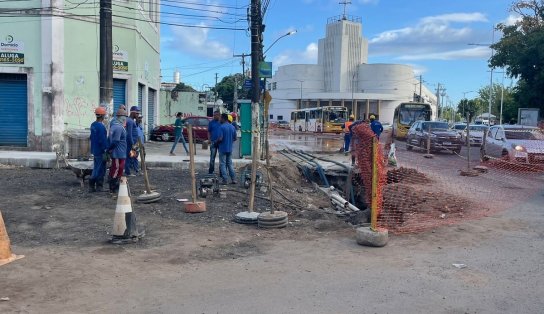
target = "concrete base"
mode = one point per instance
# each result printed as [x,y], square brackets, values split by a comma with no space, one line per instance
[428,156]
[469,173]
[196,207]
[481,169]
[369,237]
[10,259]
[246,217]
[147,198]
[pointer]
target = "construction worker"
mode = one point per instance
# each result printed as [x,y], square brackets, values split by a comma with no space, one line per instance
[132,141]
[117,149]
[376,126]
[347,133]
[224,145]
[99,142]
[214,132]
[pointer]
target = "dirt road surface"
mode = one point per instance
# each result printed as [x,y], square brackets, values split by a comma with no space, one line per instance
[208,264]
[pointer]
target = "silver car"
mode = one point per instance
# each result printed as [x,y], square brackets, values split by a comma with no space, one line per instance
[515,143]
[475,134]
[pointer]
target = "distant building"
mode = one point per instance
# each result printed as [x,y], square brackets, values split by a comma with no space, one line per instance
[49,67]
[343,77]
[172,102]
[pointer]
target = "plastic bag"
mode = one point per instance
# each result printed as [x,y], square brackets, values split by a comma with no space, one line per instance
[392,157]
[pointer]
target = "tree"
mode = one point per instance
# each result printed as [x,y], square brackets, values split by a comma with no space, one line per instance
[472,107]
[510,105]
[225,89]
[521,52]
[182,87]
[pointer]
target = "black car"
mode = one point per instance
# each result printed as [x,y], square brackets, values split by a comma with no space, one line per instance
[441,136]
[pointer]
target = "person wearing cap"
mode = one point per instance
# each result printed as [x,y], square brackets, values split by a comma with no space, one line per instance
[376,126]
[214,132]
[347,133]
[224,145]
[178,132]
[99,142]
[117,148]
[140,126]
[132,140]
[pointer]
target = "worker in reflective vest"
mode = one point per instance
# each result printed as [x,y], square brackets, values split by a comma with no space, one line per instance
[347,133]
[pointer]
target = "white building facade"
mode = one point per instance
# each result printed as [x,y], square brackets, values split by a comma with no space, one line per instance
[343,77]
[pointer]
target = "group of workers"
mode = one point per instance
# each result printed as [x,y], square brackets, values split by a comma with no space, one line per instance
[348,126]
[120,144]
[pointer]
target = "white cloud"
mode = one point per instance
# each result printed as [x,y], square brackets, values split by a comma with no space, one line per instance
[368,1]
[470,53]
[196,41]
[418,68]
[307,56]
[441,37]
[512,19]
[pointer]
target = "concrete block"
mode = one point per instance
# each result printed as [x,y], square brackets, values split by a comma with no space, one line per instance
[369,237]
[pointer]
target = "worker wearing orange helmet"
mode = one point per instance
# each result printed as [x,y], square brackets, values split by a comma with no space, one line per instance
[99,145]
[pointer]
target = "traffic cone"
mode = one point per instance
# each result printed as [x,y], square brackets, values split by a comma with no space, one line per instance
[6,256]
[125,229]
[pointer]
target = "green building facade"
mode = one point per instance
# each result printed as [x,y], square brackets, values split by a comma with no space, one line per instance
[50,67]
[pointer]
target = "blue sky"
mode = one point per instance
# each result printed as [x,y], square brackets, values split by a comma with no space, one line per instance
[430,35]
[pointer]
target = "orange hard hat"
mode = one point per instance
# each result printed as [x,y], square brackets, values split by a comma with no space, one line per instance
[100,111]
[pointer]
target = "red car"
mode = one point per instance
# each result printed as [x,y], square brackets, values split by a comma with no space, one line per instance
[200,129]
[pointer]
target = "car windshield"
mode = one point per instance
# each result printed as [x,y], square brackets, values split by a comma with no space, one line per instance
[480,128]
[460,126]
[435,125]
[282,122]
[524,134]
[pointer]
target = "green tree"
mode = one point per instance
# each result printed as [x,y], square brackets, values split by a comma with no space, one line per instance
[225,89]
[472,107]
[510,105]
[521,52]
[182,87]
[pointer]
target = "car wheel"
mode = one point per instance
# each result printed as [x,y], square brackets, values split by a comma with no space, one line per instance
[504,155]
[165,136]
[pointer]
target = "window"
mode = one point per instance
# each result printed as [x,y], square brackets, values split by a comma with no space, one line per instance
[274,86]
[280,117]
[492,132]
[293,116]
[301,115]
[271,117]
[203,122]
[500,134]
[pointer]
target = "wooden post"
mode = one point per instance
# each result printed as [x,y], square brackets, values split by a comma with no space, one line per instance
[144,168]
[192,162]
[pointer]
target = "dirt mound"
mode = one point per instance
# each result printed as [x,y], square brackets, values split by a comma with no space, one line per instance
[406,175]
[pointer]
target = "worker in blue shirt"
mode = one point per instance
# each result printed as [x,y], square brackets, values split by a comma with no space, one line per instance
[224,145]
[99,142]
[214,132]
[117,148]
[376,126]
[132,139]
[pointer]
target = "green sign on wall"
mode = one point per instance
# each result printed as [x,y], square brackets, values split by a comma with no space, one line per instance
[265,69]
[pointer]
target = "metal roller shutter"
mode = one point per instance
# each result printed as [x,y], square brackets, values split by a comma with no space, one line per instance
[119,94]
[140,96]
[13,110]
[151,108]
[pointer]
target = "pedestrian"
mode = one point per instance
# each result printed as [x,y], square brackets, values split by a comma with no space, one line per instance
[99,142]
[347,133]
[214,132]
[140,126]
[131,163]
[178,131]
[376,126]
[117,148]
[224,145]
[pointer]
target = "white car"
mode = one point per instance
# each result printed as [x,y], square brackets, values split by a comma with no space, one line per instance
[515,143]
[476,134]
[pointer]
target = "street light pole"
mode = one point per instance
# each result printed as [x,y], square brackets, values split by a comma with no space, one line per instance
[275,41]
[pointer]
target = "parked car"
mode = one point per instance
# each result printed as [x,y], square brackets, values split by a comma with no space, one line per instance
[476,134]
[441,136]
[514,143]
[459,127]
[282,124]
[200,129]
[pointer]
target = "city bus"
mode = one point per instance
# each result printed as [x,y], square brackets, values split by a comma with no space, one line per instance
[406,114]
[326,119]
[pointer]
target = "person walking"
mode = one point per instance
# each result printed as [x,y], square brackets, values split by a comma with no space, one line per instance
[132,141]
[376,126]
[178,131]
[214,132]
[99,142]
[224,144]
[347,133]
[117,149]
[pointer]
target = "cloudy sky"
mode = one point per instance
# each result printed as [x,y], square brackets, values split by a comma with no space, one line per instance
[431,35]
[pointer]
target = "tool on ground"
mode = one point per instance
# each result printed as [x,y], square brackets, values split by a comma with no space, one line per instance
[149,196]
[246,178]
[208,185]
[6,256]
[194,206]
[125,229]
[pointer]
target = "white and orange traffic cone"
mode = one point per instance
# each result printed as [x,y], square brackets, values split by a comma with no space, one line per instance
[6,256]
[125,229]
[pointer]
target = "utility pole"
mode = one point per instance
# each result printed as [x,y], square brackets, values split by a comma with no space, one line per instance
[256,53]
[106,56]
[235,100]
[243,56]
[215,94]
[438,102]
[420,87]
